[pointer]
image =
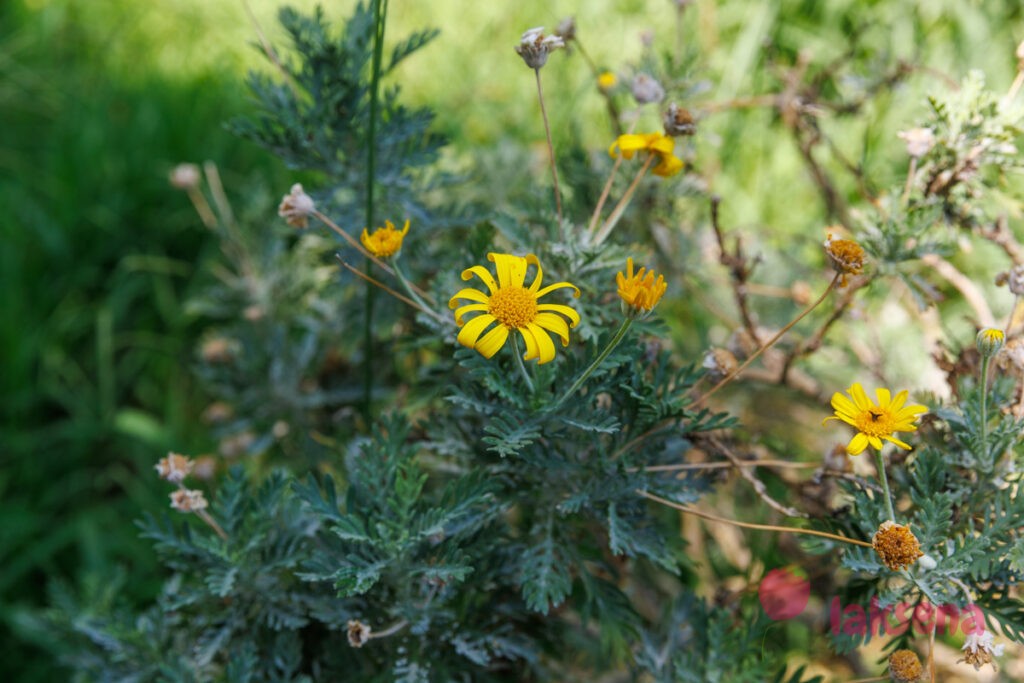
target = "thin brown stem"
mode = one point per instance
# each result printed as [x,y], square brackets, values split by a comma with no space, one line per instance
[783,464]
[755,483]
[604,195]
[616,214]
[767,345]
[377,283]
[202,207]
[205,516]
[749,525]
[551,147]
[911,172]
[739,271]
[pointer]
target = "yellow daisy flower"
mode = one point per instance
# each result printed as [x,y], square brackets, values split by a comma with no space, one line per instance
[513,307]
[640,292]
[655,143]
[606,81]
[875,422]
[384,242]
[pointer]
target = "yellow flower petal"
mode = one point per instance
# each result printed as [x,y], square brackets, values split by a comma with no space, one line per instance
[857,444]
[468,294]
[550,321]
[474,328]
[531,344]
[843,404]
[898,401]
[511,269]
[884,397]
[568,312]
[559,285]
[483,274]
[899,443]
[860,398]
[545,347]
[491,343]
[462,310]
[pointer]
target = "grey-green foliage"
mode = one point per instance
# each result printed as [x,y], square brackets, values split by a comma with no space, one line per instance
[316,117]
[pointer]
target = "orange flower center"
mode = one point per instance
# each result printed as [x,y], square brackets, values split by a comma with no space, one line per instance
[513,306]
[876,422]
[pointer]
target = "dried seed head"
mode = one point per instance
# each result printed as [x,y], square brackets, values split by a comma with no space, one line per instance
[646,89]
[217,350]
[174,468]
[205,467]
[358,633]
[719,363]
[846,256]
[980,650]
[296,206]
[1013,278]
[534,47]
[896,545]
[184,177]
[236,444]
[919,141]
[218,412]
[188,500]
[904,666]
[566,29]
[678,121]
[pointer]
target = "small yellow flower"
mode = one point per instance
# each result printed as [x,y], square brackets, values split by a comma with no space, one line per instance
[606,81]
[875,422]
[847,257]
[655,143]
[904,666]
[640,292]
[896,545]
[513,307]
[384,242]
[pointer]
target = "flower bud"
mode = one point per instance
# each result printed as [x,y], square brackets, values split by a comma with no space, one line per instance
[989,341]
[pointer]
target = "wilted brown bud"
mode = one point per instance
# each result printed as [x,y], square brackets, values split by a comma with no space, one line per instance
[646,89]
[678,121]
[188,500]
[296,206]
[358,633]
[896,545]
[534,47]
[174,468]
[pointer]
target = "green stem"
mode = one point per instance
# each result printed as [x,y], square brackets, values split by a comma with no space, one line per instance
[884,481]
[519,362]
[379,16]
[620,334]
[407,286]
[551,147]
[984,406]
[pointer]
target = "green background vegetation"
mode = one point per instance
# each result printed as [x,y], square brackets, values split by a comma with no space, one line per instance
[98,100]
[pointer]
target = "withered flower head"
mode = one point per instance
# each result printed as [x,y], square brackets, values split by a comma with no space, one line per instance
[566,29]
[1013,278]
[174,468]
[184,177]
[534,47]
[678,121]
[904,666]
[919,141]
[217,350]
[979,650]
[296,206]
[358,633]
[720,363]
[646,89]
[847,257]
[188,500]
[896,545]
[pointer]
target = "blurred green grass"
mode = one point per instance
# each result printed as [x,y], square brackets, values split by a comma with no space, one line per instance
[99,99]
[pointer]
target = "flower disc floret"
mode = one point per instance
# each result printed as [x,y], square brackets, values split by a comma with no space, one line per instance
[896,545]
[875,422]
[905,666]
[386,241]
[509,305]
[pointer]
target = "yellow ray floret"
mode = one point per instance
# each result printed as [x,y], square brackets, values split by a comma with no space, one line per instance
[655,143]
[641,291]
[386,241]
[875,422]
[509,305]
